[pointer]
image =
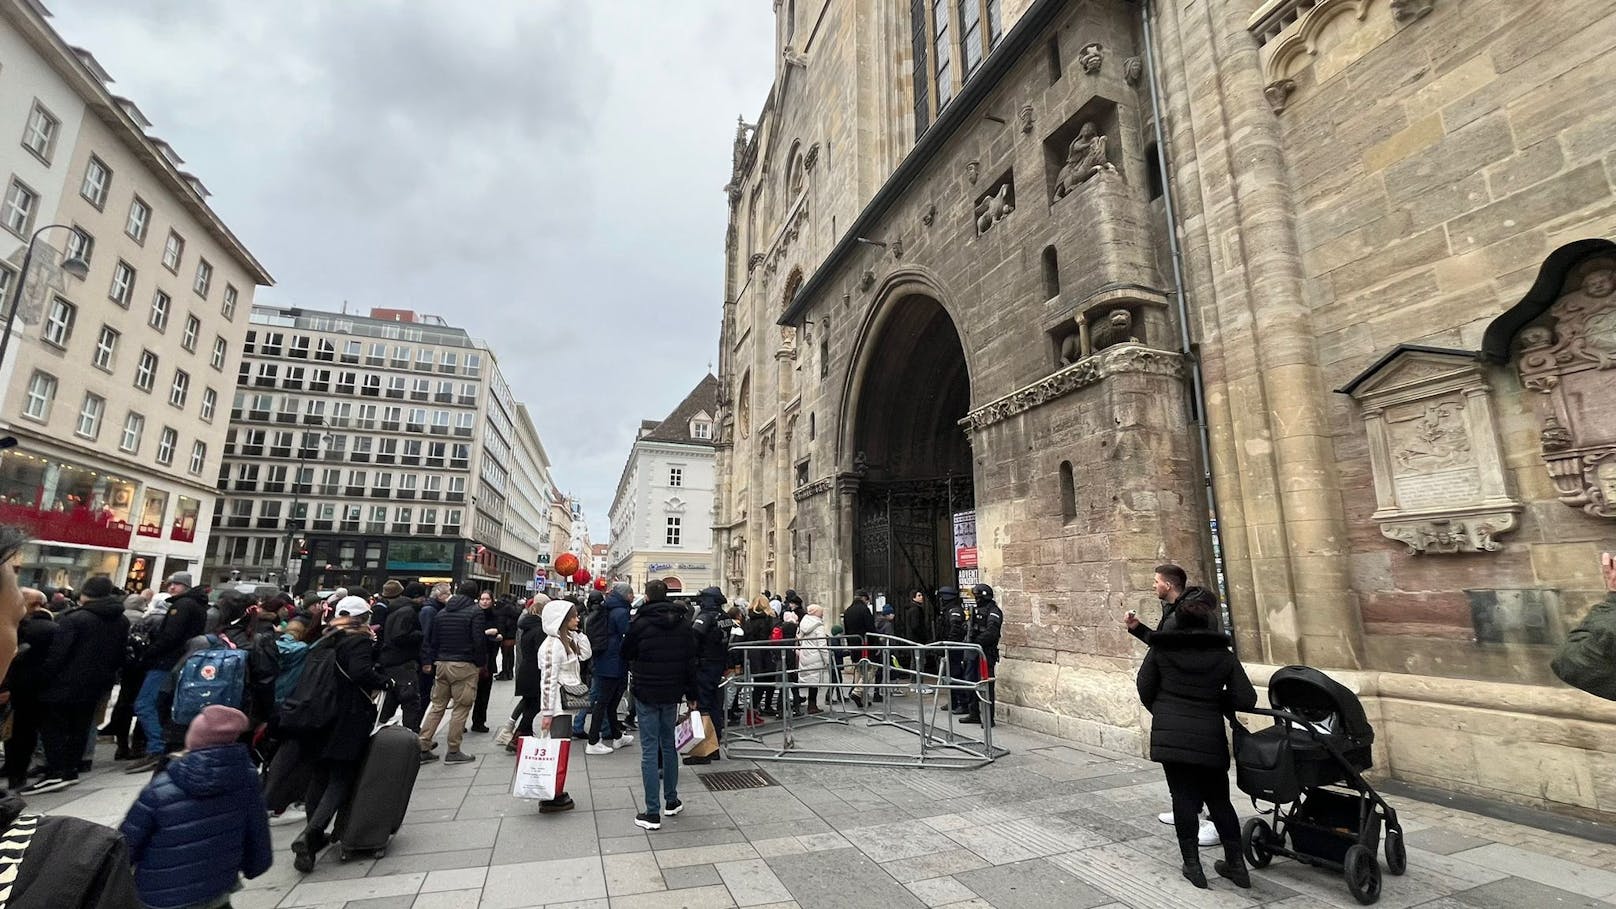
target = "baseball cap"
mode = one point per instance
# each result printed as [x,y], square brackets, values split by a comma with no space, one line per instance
[353,606]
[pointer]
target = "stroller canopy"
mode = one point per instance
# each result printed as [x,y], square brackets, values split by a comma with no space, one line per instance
[1314,696]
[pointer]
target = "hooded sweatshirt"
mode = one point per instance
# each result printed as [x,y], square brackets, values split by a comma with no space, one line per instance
[86,652]
[195,826]
[661,651]
[558,665]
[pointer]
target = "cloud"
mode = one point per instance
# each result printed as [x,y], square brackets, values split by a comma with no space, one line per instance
[545,173]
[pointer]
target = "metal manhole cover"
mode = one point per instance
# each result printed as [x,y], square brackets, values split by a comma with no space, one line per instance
[735,780]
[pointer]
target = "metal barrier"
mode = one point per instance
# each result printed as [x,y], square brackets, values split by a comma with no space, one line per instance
[939,743]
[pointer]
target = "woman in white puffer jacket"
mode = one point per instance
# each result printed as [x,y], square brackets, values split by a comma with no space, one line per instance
[563,650]
[813,656]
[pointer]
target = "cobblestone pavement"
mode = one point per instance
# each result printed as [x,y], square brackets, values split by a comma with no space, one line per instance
[1052,826]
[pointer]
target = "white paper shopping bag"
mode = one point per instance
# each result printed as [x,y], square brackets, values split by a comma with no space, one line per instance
[688,732]
[541,767]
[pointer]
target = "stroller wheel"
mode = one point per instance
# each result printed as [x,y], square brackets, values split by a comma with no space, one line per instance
[1396,852]
[1255,838]
[1363,874]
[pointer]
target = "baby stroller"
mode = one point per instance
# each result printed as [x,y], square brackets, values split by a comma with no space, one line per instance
[1310,765]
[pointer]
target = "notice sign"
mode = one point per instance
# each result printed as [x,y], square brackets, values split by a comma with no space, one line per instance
[965,539]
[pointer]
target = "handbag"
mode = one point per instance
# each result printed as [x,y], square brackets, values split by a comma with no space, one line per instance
[505,733]
[1265,765]
[574,697]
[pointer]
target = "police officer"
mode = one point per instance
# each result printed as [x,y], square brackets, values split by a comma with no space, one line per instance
[712,629]
[983,628]
[955,625]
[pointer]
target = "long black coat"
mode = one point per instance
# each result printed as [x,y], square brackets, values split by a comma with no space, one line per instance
[1189,682]
[529,635]
[355,653]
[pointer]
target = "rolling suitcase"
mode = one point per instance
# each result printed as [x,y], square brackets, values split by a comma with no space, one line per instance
[381,795]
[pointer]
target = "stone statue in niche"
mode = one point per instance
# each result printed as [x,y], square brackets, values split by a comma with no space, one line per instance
[1090,57]
[1071,349]
[993,208]
[1133,69]
[1085,157]
[1569,358]
[1116,329]
[973,169]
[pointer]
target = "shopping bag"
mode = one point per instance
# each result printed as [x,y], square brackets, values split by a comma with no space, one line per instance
[541,767]
[708,743]
[505,733]
[688,732]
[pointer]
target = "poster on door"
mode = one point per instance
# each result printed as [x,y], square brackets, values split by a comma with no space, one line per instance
[965,539]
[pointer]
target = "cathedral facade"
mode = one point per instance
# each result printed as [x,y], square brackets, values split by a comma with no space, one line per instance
[1313,298]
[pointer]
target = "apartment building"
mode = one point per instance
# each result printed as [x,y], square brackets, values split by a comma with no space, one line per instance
[527,524]
[367,447]
[662,515]
[110,382]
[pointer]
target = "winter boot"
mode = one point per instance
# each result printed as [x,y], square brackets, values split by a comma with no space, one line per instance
[1233,864]
[1192,865]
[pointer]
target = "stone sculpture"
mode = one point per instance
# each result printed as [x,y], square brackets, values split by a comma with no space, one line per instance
[1085,157]
[993,209]
[1090,57]
[1071,349]
[1116,329]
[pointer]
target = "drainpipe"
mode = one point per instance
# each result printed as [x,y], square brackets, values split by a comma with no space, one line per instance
[1176,253]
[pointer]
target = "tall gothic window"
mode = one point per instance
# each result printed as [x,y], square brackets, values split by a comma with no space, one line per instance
[950,39]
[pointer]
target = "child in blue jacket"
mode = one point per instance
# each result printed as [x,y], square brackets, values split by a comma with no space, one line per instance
[200,823]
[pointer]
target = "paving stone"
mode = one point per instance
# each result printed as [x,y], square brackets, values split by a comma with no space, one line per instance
[1519,893]
[841,879]
[933,865]
[751,883]
[455,879]
[691,876]
[313,894]
[1035,884]
[431,861]
[529,883]
[1543,869]
[447,899]
[940,891]
[703,855]
[630,873]
[385,902]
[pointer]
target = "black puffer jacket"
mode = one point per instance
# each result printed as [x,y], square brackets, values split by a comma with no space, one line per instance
[529,635]
[401,635]
[1169,619]
[712,627]
[759,626]
[186,618]
[1190,682]
[661,652]
[457,633]
[86,652]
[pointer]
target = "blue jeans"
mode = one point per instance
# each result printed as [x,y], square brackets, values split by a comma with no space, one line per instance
[151,722]
[579,716]
[656,739]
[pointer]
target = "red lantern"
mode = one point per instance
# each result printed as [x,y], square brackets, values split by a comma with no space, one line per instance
[581,577]
[566,564]
[601,585]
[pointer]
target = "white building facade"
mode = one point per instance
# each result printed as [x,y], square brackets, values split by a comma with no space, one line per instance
[662,515]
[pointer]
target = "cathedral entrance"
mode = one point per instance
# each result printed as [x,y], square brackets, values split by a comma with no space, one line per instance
[912,456]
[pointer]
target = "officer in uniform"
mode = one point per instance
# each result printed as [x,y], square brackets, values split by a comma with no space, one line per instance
[983,626]
[712,629]
[955,625]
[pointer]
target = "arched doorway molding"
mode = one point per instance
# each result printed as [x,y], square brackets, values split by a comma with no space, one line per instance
[900,286]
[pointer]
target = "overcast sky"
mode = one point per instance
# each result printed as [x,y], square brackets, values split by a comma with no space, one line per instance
[547,174]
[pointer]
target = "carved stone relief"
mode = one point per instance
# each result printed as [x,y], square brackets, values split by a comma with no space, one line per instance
[1434,451]
[1083,373]
[1569,358]
[1133,69]
[1116,329]
[1026,118]
[1410,10]
[1085,157]
[1090,56]
[973,170]
[995,207]
[1279,94]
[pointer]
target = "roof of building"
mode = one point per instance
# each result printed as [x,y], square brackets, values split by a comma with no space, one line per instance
[675,427]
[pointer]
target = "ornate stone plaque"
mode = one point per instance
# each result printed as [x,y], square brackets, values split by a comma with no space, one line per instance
[1433,448]
[1568,357]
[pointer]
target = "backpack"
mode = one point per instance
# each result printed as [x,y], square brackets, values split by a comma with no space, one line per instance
[216,674]
[292,654]
[140,637]
[598,628]
[312,706]
[777,634]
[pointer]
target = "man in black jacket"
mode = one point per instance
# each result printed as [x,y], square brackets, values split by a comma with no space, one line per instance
[187,616]
[1170,587]
[85,655]
[858,621]
[400,657]
[951,618]
[456,648]
[983,629]
[661,652]
[712,629]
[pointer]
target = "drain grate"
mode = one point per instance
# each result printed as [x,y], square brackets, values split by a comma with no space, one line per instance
[735,780]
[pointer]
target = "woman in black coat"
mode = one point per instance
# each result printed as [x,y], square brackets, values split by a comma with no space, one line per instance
[529,680]
[1190,682]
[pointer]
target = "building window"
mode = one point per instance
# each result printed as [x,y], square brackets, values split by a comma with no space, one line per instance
[134,426]
[80,245]
[676,476]
[41,392]
[19,208]
[166,440]
[219,348]
[123,284]
[204,278]
[193,325]
[173,251]
[139,220]
[474,365]
[90,416]
[59,324]
[1068,492]
[106,345]
[228,308]
[938,72]
[210,401]
[199,457]
[97,181]
[674,532]
[159,311]
[181,389]
[39,136]
[146,371]
[701,429]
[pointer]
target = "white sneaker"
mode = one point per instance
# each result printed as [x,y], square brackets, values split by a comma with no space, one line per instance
[598,748]
[625,740]
[289,816]
[1166,817]
[1208,835]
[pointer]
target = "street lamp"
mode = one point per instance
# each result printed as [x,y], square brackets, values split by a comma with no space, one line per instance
[75,266]
[291,515]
